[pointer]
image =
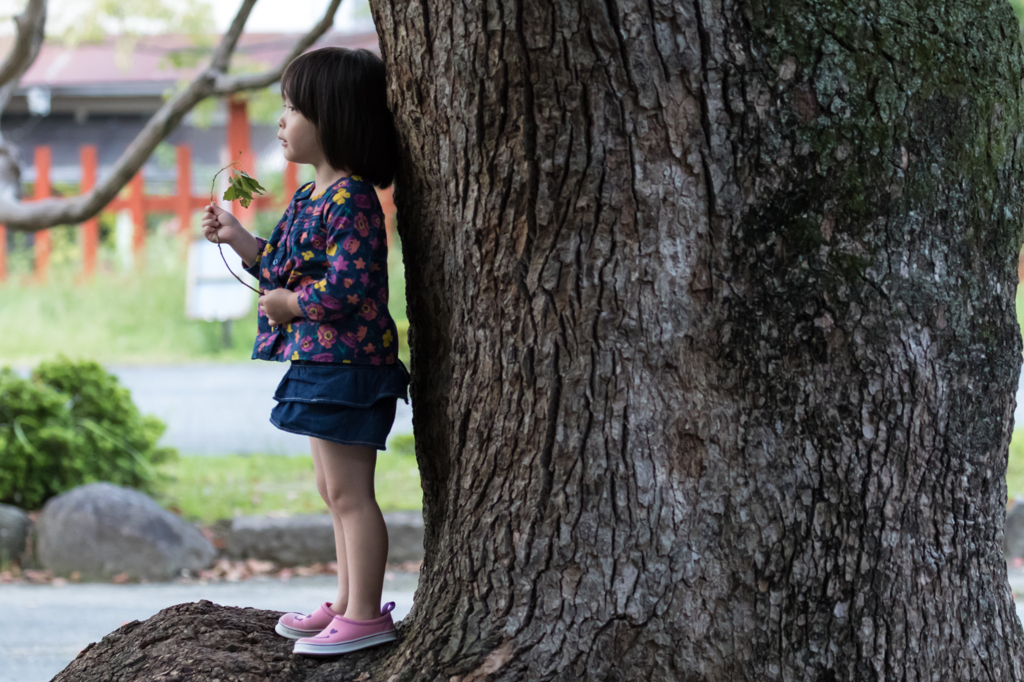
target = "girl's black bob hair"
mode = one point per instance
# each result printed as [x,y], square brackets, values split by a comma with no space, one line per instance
[343,94]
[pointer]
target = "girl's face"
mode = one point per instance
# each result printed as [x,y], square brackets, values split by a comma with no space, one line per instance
[298,136]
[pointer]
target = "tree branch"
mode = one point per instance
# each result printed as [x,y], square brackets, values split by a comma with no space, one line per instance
[39,215]
[31,25]
[221,58]
[226,85]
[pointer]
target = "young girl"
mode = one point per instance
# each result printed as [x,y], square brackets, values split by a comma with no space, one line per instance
[324,308]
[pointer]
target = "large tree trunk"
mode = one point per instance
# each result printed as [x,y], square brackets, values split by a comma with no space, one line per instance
[714,345]
[713,337]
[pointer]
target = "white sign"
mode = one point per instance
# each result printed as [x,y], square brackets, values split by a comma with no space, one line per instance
[38,100]
[124,235]
[211,292]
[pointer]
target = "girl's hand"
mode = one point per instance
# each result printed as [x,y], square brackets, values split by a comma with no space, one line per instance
[219,226]
[280,306]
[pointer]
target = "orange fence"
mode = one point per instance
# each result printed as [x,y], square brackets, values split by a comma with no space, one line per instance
[182,203]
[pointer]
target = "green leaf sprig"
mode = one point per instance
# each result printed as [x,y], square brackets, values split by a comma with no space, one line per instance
[241,186]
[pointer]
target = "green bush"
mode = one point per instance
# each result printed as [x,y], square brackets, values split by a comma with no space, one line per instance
[72,423]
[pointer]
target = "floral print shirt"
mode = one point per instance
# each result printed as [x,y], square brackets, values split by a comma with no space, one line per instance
[331,248]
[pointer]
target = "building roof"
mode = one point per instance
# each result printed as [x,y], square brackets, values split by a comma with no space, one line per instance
[92,69]
[97,98]
[111,134]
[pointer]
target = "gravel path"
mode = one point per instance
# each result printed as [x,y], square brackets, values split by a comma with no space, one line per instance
[33,650]
[213,409]
[216,409]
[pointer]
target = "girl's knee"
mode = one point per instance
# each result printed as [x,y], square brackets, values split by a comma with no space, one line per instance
[318,468]
[321,487]
[343,501]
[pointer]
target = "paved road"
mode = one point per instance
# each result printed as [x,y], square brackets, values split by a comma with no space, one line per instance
[216,409]
[33,650]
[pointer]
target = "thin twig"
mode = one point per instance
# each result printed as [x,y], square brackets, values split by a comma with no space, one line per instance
[213,185]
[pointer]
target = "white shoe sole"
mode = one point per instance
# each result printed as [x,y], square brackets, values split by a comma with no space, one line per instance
[344,647]
[292,633]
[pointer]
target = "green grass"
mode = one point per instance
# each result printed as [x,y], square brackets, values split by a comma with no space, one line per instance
[1020,303]
[116,318]
[210,488]
[128,317]
[1015,466]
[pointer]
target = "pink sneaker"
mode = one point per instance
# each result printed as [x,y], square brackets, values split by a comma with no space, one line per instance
[342,635]
[297,626]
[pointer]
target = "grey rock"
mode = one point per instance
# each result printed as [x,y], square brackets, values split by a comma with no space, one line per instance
[14,527]
[1013,532]
[289,541]
[307,539]
[101,530]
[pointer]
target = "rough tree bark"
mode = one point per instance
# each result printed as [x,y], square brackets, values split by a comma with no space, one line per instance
[713,337]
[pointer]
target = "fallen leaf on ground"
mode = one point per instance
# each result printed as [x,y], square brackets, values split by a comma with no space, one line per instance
[225,570]
[38,577]
[258,566]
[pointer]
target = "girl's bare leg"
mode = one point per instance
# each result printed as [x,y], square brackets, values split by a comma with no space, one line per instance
[348,476]
[341,601]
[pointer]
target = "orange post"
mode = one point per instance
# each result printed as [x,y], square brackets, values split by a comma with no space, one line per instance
[90,228]
[238,147]
[43,159]
[136,204]
[238,129]
[183,202]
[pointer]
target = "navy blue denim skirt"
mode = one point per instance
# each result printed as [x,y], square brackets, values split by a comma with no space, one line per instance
[351,404]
